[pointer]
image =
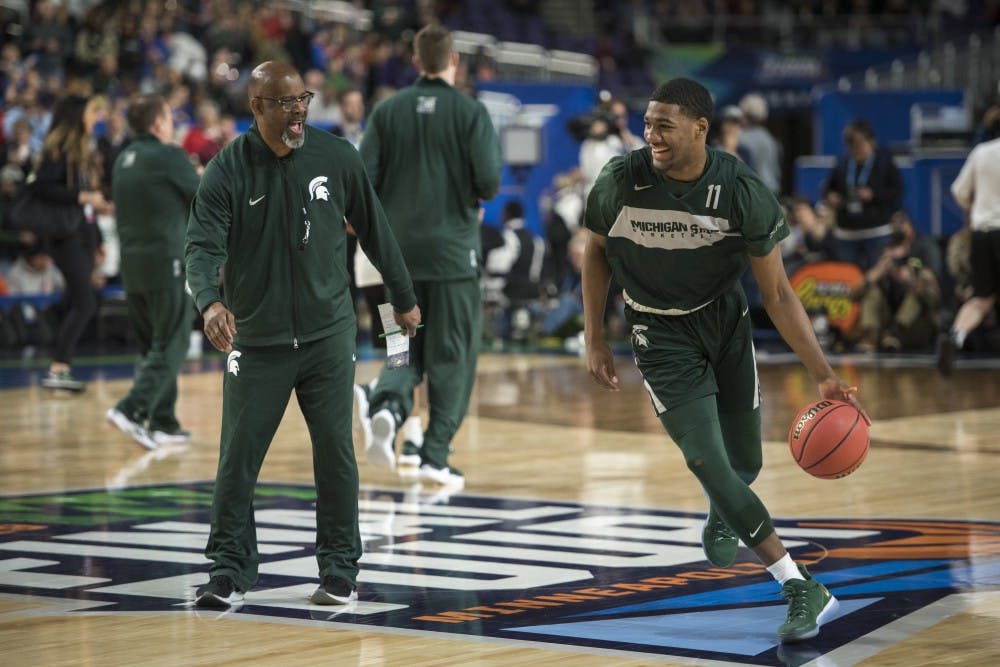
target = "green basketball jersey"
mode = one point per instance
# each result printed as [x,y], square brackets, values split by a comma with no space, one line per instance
[677,246]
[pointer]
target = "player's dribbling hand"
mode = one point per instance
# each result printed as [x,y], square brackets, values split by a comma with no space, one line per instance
[601,364]
[408,321]
[220,326]
[837,389]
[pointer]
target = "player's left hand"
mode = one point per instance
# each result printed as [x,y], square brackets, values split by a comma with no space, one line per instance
[837,389]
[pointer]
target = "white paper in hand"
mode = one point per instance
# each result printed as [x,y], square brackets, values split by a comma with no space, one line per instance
[397,345]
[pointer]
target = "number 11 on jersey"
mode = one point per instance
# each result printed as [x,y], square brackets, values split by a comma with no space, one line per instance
[710,201]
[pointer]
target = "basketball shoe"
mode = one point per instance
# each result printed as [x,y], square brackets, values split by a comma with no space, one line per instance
[334,590]
[810,605]
[446,476]
[362,396]
[719,541]
[63,380]
[381,447]
[413,440]
[131,428]
[178,436]
[220,592]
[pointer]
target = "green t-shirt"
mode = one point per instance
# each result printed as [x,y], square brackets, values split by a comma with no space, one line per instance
[677,246]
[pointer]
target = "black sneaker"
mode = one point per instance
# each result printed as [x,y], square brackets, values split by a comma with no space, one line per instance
[220,592]
[63,380]
[334,590]
[946,352]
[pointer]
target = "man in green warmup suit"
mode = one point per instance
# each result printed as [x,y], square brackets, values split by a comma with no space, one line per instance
[270,210]
[433,156]
[153,183]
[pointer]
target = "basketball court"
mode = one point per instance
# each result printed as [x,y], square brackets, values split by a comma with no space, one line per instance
[575,542]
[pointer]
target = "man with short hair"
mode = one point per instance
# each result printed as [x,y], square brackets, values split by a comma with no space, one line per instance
[270,211]
[675,224]
[153,183]
[433,156]
[977,191]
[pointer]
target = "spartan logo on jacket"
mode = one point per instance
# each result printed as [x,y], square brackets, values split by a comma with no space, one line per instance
[233,362]
[317,190]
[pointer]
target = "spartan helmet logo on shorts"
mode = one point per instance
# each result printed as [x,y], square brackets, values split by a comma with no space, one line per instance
[317,190]
[638,338]
[233,362]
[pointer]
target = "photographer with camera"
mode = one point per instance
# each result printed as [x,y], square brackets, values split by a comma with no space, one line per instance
[901,294]
[604,134]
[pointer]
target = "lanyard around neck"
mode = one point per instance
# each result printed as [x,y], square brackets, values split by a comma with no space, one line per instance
[856,180]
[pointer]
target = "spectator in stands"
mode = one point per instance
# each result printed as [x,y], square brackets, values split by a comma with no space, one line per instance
[728,130]
[352,116]
[899,301]
[204,139]
[600,145]
[809,239]
[64,176]
[11,241]
[34,274]
[618,110]
[19,151]
[977,190]
[762,149]
[513,271]
[116,137]
[324,111]
[563,316]
[865,188]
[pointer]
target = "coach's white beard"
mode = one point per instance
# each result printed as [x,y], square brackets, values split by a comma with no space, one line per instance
[293,142]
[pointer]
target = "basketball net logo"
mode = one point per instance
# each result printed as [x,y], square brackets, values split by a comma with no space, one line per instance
[232,362]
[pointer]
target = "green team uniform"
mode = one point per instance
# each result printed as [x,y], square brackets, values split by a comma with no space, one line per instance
[153,187]
[276,226]
[678,250]
[433,155]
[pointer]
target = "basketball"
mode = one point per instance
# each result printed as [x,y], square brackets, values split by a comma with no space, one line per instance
[829,439]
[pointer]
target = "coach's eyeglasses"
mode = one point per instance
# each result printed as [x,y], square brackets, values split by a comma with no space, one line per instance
[288,103]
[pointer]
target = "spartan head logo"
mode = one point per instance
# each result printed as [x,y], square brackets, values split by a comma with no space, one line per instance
[233,362]
[638,338]
[317,190]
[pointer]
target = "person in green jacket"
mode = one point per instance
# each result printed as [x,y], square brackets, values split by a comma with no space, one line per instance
[153,185]
[433,156]
[270,212]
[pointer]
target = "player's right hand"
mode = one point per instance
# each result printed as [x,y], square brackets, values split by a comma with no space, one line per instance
[408,320]
[601,364]
[220,326]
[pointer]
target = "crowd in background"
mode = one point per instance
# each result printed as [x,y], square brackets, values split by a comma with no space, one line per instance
[198,55]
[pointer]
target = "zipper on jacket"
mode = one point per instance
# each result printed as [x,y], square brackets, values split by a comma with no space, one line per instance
[283,162]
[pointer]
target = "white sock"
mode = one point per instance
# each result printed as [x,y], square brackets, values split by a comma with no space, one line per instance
[784,569]
[958,336]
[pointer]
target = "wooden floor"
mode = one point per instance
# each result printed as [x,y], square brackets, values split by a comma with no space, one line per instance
[538,430]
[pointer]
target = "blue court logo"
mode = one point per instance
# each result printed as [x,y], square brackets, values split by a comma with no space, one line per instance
[631,581]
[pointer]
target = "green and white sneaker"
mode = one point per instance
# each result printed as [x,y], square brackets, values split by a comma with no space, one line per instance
[809,606]
[719,541]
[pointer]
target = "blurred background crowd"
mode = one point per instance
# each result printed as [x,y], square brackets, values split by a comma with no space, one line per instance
[909,277]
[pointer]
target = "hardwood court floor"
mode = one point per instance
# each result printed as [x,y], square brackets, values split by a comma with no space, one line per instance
[538,429]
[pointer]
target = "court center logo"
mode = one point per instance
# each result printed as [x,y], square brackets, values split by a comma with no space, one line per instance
[633,581]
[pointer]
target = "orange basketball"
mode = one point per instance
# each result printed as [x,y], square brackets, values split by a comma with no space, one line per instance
[829,439]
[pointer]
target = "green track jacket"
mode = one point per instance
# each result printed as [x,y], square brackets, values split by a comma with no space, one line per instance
[276,225]
[432,154]
[153,184]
